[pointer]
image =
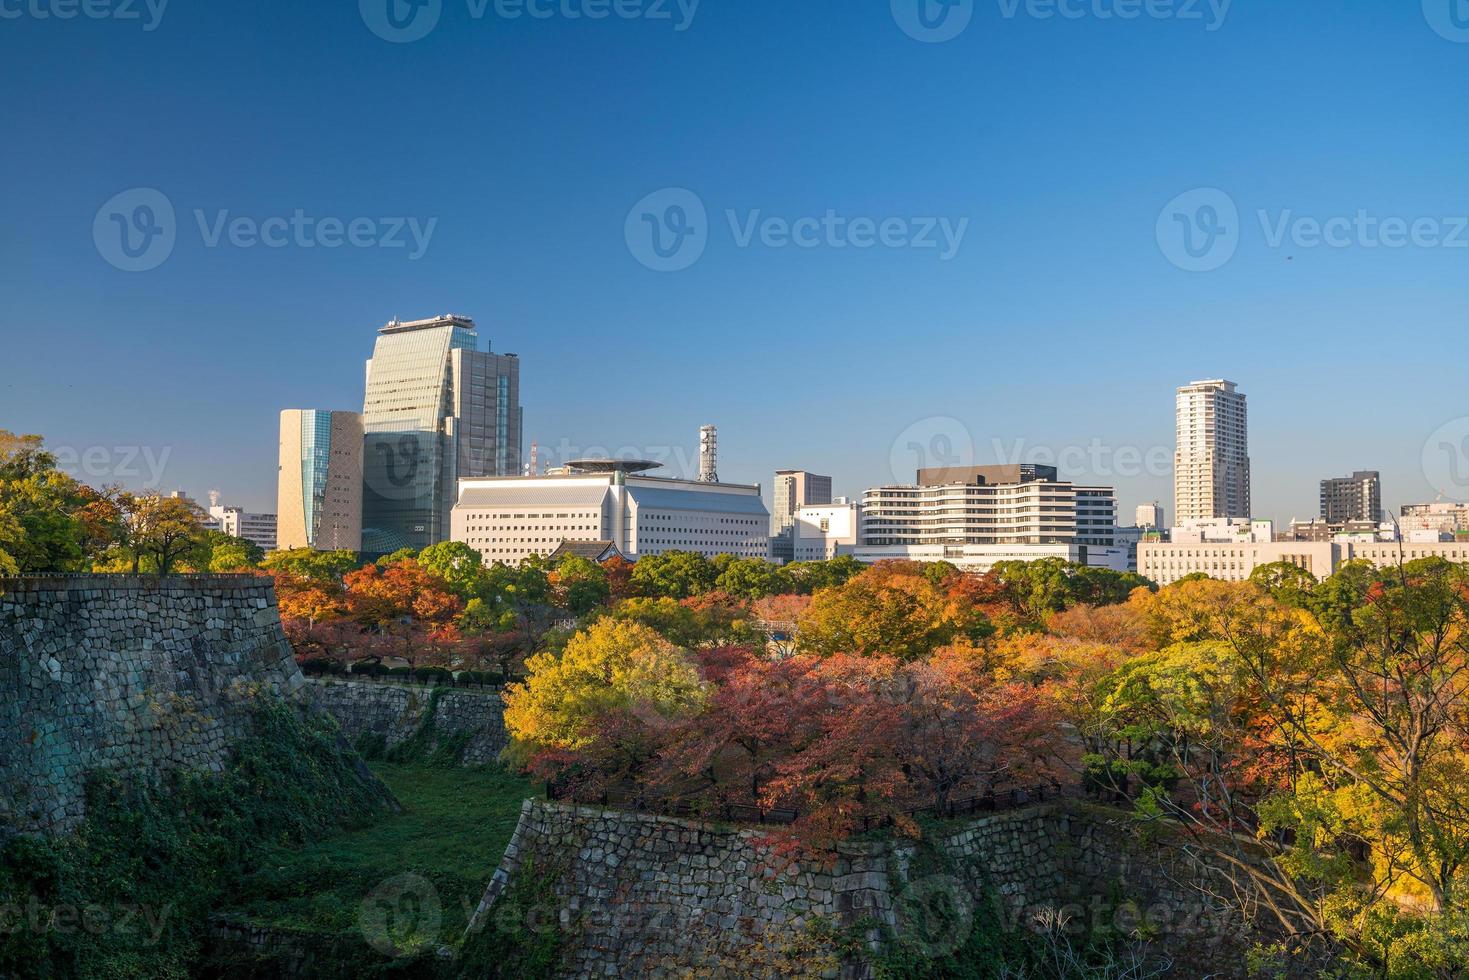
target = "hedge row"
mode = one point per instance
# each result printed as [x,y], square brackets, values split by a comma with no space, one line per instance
[315,667]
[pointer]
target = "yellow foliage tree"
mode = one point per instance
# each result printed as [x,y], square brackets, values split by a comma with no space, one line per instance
[611,668]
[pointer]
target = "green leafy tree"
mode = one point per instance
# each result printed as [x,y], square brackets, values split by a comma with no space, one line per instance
[808,577]
[754,578]
[402,554]
[1286,583]
[39,527]
[319,566]
[220,552]
[674,575]
[160,532]
[581,585]
[461,566]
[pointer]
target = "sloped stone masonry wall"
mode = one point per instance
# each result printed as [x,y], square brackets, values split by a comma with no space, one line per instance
[135,674]
[644,895]
[396,712]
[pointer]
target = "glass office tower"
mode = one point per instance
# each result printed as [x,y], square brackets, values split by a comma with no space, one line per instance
[437,410]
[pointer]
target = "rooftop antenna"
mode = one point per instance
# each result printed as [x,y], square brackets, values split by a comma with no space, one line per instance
[708,454]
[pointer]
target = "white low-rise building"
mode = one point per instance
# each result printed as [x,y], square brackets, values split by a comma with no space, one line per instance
[509,519]
[823,531]
[1167,562]
[258,529]
[1221,530]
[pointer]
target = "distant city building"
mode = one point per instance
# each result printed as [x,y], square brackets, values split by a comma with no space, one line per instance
[1446,516]
[1211,464]
[258,529]
[823,531]
[1356,530]
[438,410]
[1150,516]
[1234,561]
[614,502]
[980,515]
[1352,498]
[793,489]
[1129,538]
[1222,530]
[319,487]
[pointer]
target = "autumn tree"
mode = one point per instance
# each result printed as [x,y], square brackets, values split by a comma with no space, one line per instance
[1378,709]
[610,694]
[890,609]
[757,712]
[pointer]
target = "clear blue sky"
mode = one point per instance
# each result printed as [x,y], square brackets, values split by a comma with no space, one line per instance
[1060,322]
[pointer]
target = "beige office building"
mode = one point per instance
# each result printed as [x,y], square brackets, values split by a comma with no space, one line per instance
[1167,562]
[319,496]
[1211,464]
[1446,516]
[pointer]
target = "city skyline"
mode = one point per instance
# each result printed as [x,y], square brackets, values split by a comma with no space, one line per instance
[1059,320]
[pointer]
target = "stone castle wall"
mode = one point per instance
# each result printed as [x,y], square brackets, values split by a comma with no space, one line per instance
[644,895]
[135,674]
[397,712]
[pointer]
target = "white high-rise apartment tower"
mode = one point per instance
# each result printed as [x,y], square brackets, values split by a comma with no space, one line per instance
[1211,465]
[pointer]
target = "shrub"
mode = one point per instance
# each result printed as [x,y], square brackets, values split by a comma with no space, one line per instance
[174,848]
[433,675]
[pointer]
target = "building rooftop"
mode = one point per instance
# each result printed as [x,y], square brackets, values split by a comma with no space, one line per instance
[445,320]
[611,465]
